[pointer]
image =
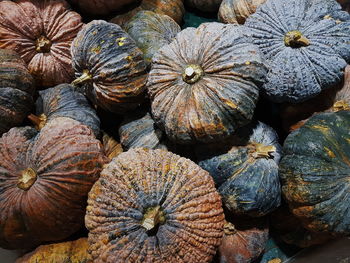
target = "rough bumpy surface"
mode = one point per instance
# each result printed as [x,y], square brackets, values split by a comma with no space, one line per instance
[247,176]
[204,5]
[204,85]
[16,90]
[237,11]
[154,206]
[307,44]
[101,7]
[315,173]
[41,32]
[44,181]
[110,66]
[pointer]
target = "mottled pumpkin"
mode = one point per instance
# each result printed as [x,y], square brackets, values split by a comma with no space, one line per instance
[204,5]
[306,43]
[204,84]
[153,206]
[66,252]
[16,90]
[315,173]
[101,7]
[237,11]
[151,31]
[41,32]
[111,147]
[44,181]
[110,66]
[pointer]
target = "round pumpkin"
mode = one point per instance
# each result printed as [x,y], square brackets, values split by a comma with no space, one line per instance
[315,173]
[204,5]
[305,42]
[16,90]
[102,7]
[44,181]
[109,66]
[41,32]
[153,206]
[205,83]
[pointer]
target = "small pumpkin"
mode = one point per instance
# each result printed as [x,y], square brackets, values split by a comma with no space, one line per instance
[111,147]
[307,48]
[204,5]
[101,7]
[110,67]
[205,83]
[315,173]
[153,206]
[16,90]
[41,32]
[44,181]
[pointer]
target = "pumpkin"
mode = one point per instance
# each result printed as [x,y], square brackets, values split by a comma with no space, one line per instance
[173,8]
[246,176]
[41,32]
[102,7]
[71,251]
[305,42]
[315,173]
[44,181]
[111,147]
[151,31]
[237,11]
[204,5]
[153,206]
[205,83]
[109,66]
[16,90]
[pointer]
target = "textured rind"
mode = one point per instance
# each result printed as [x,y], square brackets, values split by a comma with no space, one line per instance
[222,100]
[315,173]
[64,101]
[248,185]
[66,252]
[115,63]
[16,90]
[67,159]
[139,179]
[205,5]
[151,31]
[101,7]
[22,22]
[297,74]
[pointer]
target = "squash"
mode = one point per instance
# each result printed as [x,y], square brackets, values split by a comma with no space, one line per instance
[153,206]
[204,5]
[111,147]
[109,66]
[41,32]
[305,42]
[315,173]
[345,4]
[44,181]
[16,90]
[205,83]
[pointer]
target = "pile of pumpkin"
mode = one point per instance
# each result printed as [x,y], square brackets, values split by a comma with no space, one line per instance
[187,167]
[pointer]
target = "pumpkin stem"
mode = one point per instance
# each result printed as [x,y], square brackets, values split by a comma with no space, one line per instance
[27,179]
[43,45]
[295,39]
[83,78]
[192,73]
[263,151]
[229,228]
[38,121]
[153,217]
[341,105]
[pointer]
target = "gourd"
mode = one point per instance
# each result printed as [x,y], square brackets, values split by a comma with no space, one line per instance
[205,83]
[41,32]
[204,5]
[111,147]
[153,206]
[109,66]
[305,42]
[102,7]
[16,90]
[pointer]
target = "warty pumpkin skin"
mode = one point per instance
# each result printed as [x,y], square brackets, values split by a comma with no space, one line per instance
[16,90]
[101,7]
[204,84]
[305,42]
[204,5]
[41,32]
[315,173]
[44,181]
[110,67]
[153,206]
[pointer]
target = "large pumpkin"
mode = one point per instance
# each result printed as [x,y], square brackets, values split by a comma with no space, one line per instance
[153,206]
[102,7]
[41,32]
[204,84]
[306,43]
[315,173]
[109,65]
[16,90]
[44,181]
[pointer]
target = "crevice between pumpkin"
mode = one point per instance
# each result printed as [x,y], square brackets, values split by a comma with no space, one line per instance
[27,179]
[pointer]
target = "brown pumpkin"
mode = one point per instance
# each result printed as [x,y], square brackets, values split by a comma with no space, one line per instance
[41,32]
[111,147]
[101,7]
[204,5]
[44,181]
